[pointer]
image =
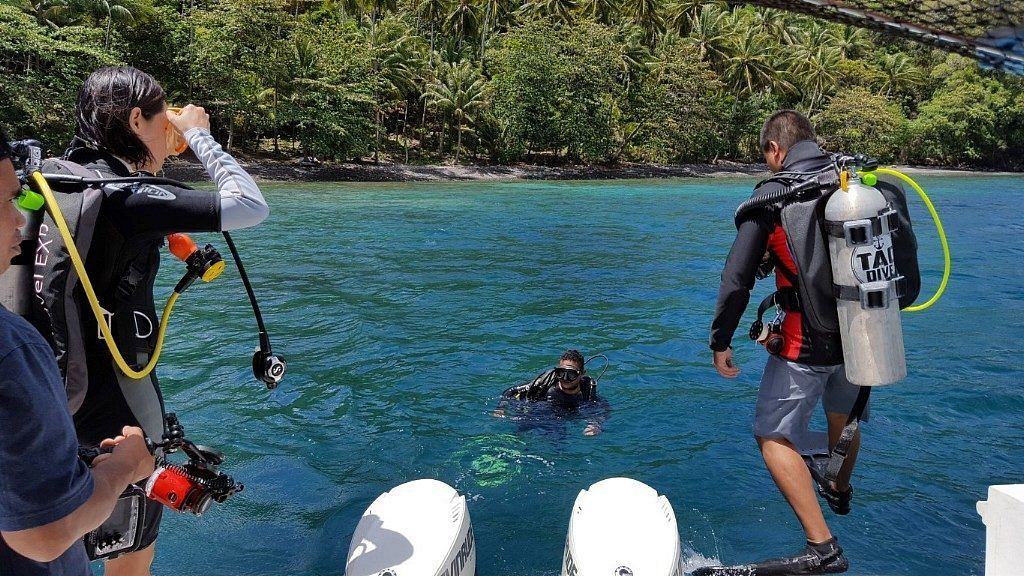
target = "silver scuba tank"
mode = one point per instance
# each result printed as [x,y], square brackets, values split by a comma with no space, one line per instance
[864,273]
[17,285]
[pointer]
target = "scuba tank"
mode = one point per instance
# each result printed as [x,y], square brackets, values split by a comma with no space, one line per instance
[866,282]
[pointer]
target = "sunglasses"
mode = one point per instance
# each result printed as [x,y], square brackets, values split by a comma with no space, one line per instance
[567,374]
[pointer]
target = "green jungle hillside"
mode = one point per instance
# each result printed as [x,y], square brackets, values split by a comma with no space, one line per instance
[502,81]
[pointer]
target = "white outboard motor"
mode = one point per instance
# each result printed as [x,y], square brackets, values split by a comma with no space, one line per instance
[621,527]
[865,279]
[420,528]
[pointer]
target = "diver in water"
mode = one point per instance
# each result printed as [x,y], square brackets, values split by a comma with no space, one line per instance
[567,389]
[125,129]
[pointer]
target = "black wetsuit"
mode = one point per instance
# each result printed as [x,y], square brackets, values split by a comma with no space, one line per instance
[544,388]
[761,231]
[123,264]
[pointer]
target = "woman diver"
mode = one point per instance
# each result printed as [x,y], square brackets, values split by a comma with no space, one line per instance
[124,128]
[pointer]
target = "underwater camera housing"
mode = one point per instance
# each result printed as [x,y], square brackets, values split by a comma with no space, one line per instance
[194,485]
[190,487]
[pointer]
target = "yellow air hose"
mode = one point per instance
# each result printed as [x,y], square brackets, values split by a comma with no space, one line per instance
[942,238]
[90,293]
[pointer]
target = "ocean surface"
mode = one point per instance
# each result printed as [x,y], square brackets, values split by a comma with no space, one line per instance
[404,311]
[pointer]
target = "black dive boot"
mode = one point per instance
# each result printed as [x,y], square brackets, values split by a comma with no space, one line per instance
[824,558]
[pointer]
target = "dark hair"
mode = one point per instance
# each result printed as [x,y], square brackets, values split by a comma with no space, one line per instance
[786,128]
[573,356]
[104,107]
[5,146]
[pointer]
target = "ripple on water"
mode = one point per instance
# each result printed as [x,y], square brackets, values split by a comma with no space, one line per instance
[404,310]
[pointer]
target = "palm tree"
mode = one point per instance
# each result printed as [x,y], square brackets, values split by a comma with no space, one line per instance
[458,92]
[557,10]
[815,66]
[395,60]
[749,67]
[679,15]
[709,34]
[773,24]
[633,58]
[497,15]
[852,41]
[379,7]
[901,75]
[647,15]
[817,34]
[52,13]
[463,20]
[109,10]
[602,11]
[431,12]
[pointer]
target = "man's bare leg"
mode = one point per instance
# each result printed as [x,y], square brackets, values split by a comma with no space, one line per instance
[836,423]
[790,473]
[135,564]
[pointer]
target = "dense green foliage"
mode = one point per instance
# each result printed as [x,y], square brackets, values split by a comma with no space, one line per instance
[549,81]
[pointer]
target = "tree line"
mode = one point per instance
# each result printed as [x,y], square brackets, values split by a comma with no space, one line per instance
[544,81]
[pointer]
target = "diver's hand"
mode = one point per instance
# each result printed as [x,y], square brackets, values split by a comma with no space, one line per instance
[191,116]
[498,413]
[723,363]
[592,430]
[130,452]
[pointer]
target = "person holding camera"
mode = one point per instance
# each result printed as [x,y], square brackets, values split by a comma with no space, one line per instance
[49,498]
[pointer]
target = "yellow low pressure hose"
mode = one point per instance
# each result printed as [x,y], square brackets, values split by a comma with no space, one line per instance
[948,265]
[90,293]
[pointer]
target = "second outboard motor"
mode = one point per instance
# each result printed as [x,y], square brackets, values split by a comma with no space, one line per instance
[621,527]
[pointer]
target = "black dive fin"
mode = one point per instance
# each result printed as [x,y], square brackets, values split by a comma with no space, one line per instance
[808,561]
[744,570]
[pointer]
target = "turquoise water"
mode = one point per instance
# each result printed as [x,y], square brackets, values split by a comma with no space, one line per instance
[405,309]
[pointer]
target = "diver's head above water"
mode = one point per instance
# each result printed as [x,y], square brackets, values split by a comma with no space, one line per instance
[570,371]
[122,111]
[781,132]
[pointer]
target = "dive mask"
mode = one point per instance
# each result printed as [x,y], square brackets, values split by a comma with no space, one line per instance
[567,374]
[176,142]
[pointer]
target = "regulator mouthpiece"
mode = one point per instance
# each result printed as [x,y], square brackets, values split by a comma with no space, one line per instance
[205,263]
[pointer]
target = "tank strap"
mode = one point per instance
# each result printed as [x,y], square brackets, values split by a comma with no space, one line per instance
[862,231]
[842,448]
[872,294]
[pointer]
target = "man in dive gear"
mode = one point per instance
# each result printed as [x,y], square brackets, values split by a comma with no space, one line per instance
[806,367]
[567,387]
[50,498]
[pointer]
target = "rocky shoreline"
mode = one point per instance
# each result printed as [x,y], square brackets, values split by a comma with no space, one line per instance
[282,171]
[387,172]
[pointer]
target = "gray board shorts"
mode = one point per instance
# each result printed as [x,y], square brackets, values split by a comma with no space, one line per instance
[787,397]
